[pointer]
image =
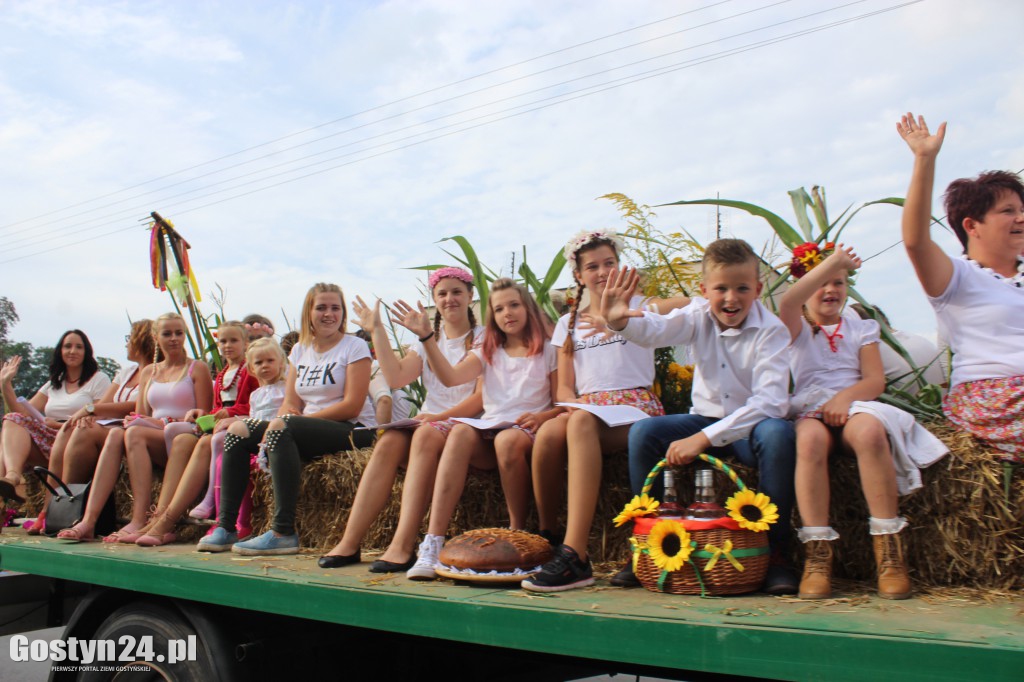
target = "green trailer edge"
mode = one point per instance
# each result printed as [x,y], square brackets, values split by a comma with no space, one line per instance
[578,624]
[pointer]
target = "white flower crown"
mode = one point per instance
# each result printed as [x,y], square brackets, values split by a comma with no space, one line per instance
[584,237]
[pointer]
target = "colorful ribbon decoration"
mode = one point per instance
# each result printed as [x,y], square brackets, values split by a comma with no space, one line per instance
[716,552]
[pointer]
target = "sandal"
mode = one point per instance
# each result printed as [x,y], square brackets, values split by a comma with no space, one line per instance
[150,540]
[125,532]
[75,534]
[8,490]
[36,527]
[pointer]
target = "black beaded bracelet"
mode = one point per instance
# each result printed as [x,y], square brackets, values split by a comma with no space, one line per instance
[428,336]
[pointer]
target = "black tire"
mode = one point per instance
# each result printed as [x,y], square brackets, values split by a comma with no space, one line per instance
[162,623]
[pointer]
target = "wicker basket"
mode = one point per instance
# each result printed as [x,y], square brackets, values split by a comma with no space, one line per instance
[738,557]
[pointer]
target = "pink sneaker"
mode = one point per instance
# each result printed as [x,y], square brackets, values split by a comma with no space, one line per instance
[203,510]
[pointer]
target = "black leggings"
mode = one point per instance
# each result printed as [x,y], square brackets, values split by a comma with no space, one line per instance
[303,440]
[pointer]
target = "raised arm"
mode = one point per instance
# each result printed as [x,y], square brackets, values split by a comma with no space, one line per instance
[7,374]
[418,322]
[397,370]
[792,303]
[933,267]
[618,291]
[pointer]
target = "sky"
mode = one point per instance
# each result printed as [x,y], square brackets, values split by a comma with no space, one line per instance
[292,143]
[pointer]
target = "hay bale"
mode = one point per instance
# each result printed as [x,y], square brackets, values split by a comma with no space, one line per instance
[964,531]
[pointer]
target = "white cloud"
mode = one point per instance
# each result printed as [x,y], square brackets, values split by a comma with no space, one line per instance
[97,97]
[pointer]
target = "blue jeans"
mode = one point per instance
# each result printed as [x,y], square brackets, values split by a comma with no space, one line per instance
[771,448]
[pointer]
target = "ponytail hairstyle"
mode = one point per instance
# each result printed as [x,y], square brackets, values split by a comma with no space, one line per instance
[59,370]
[588,240]
[534,333]
[815,327]
[306,327]
[463,276]
[142,403]
[143,341]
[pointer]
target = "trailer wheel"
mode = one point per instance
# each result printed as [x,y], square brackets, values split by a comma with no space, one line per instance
[131,625]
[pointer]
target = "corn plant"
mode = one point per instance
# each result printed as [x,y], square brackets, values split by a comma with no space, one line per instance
[813,225]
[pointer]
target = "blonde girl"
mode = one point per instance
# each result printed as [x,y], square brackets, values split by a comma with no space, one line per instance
[326,400]
[170,388]
[598,369]
[231,389]
[266,362]
[231,394]
[455,333]
[837,372]
[518,369]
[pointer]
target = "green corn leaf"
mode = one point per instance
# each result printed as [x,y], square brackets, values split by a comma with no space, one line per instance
[784,230]
[801,202]
[473,264]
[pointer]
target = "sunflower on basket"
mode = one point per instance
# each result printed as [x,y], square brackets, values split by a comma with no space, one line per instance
[752,511]
[639,506]
[669,545]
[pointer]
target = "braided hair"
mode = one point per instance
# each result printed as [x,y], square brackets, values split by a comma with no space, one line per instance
[569,346]
[469,313]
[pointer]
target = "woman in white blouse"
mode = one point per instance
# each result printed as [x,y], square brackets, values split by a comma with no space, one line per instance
[31,427]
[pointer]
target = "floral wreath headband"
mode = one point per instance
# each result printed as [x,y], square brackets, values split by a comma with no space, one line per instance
[585,237]
[456,273]
[808,256]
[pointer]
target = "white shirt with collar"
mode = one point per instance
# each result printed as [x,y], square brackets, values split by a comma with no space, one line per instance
[741,375]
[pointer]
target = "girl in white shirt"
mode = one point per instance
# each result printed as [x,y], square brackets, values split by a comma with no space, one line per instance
[837,369]
[327,398]
[75,381]
[455,332]
[518,369]
[593,368]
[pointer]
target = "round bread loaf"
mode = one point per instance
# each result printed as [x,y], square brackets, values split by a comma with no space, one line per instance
[495,549]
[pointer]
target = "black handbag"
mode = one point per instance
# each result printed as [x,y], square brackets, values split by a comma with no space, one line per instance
[68,505]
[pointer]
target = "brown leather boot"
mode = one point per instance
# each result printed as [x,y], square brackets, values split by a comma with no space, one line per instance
[816,582]
[893,581]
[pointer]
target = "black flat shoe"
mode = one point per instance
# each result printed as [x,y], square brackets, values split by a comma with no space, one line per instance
[625,577]
[8,491]
[338,560]
[381,566]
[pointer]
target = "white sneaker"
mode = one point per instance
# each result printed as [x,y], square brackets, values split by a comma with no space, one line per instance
[426,558]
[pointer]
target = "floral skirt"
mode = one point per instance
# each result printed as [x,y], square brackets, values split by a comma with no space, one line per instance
[992,410]
[41,434]
[640,398]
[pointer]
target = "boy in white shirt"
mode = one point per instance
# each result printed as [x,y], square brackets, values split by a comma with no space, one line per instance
[740,386]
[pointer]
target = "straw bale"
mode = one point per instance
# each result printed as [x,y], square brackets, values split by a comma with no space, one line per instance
[964,532]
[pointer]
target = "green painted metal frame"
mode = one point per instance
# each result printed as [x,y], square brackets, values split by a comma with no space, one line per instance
[726,636]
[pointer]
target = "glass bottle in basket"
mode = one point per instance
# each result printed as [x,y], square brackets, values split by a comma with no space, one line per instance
[670,505]
[704,505]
